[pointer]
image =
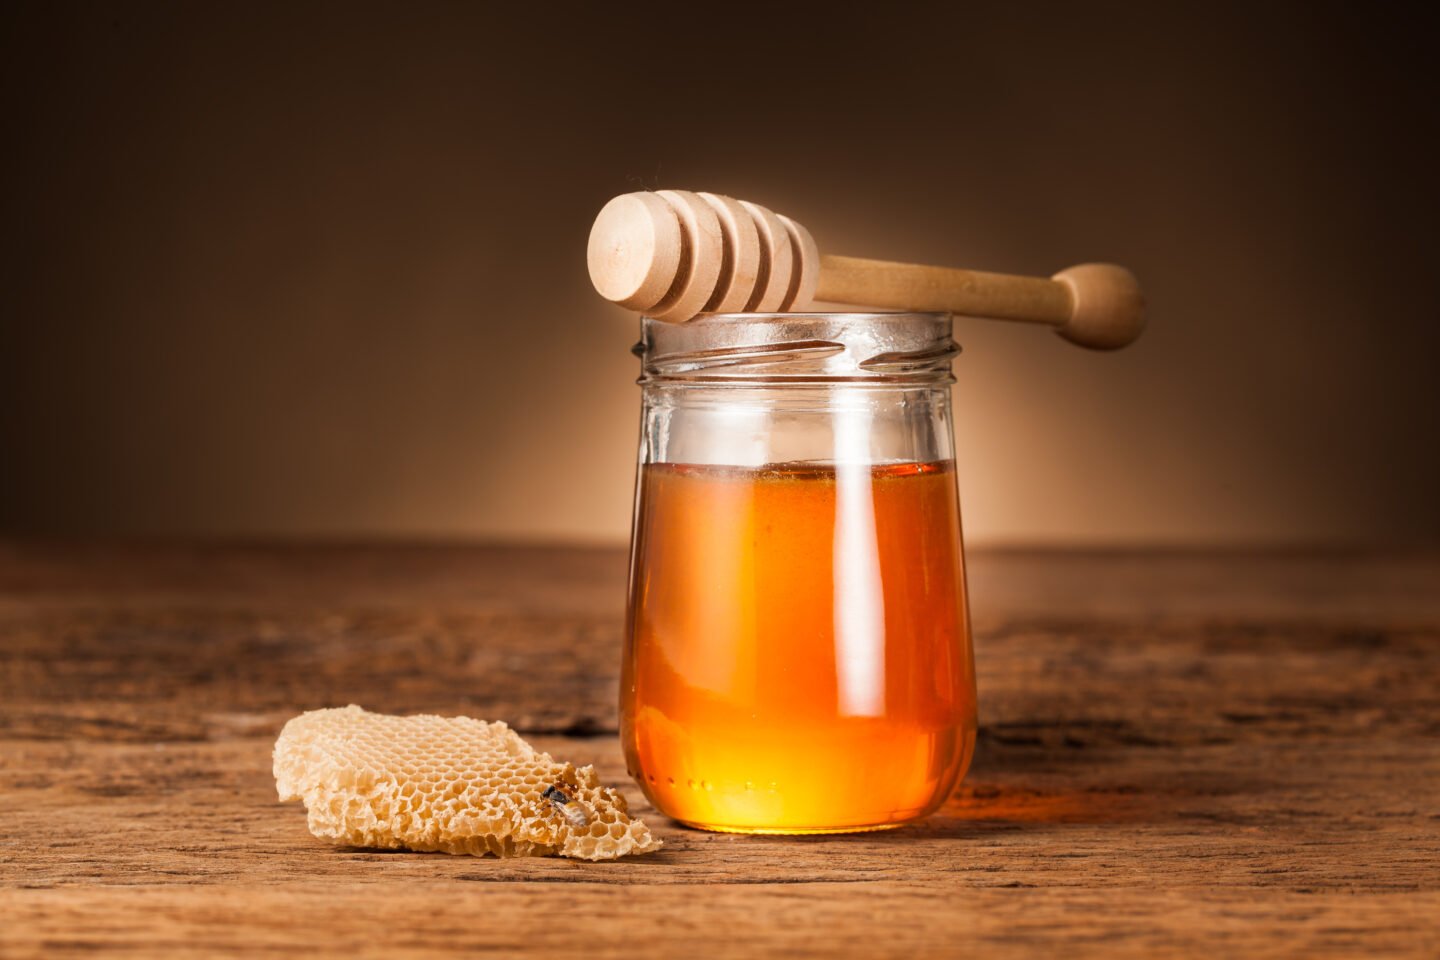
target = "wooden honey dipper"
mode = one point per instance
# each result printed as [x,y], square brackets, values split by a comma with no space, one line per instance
[674,254]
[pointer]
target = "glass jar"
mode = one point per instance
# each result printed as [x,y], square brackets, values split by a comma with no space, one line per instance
[798,654]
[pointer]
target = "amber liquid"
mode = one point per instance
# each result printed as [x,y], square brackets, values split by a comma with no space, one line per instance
[799,652]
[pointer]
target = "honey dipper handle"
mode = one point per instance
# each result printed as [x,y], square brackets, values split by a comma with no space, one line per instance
[1095,305]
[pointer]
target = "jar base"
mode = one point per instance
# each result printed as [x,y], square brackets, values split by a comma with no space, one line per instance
[792,831]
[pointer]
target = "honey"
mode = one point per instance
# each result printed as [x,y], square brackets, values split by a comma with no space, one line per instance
[798,656]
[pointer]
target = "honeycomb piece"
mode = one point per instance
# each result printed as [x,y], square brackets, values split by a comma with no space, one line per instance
[447,783]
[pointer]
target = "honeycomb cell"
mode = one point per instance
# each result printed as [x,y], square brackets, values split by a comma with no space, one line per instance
[448,784]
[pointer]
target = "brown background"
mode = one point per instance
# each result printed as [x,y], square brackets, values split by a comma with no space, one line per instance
[318,269]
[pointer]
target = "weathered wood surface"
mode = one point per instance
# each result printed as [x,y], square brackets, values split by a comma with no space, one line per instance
[1229,754]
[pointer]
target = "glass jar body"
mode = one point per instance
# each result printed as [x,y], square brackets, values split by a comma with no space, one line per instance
[798,653]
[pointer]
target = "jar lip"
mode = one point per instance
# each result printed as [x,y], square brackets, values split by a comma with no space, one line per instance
[869,316]
[819,346]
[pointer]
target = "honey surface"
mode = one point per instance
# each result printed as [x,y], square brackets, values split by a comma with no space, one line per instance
[799,655]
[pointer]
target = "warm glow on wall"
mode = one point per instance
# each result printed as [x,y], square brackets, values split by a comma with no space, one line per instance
[238,308]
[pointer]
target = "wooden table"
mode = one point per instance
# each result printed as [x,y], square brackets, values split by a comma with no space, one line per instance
[1218,753]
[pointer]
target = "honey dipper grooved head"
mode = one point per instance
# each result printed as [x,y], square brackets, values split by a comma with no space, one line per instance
[675,254]
[702,253]
[634,250]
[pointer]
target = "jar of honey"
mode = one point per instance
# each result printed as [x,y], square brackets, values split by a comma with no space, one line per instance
[798,654]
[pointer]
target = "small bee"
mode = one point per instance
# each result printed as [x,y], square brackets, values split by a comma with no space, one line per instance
[573,810]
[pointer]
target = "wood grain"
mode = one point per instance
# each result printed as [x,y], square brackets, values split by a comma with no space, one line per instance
[1179,753]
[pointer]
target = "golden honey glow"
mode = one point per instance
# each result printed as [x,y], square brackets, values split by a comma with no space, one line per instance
[776,682]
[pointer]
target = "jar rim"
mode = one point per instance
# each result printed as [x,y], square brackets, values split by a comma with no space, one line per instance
[752,315]
[812,347]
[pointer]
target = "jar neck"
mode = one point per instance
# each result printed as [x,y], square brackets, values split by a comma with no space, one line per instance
[879,349]
[761,424]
